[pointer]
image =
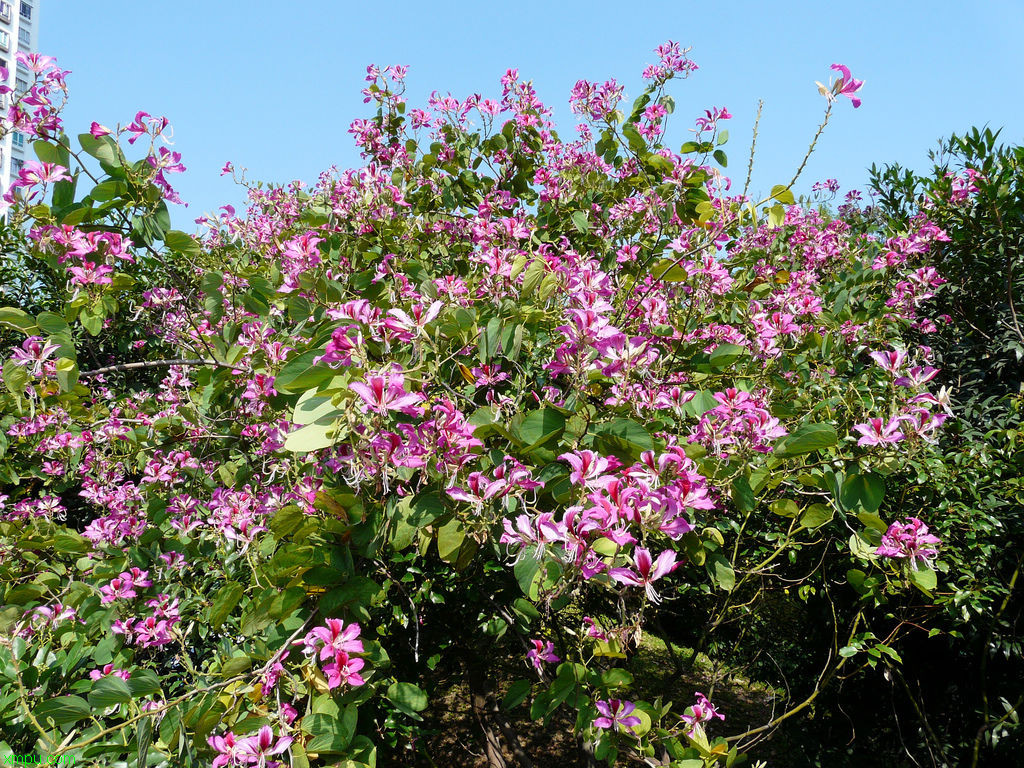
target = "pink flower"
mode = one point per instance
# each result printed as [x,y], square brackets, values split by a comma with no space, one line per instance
[262,745]
[98,130]
[386,392]
[647,571]
[702,711]
[909,540]
[337,638]
[108,669]
[878,432]
[344,671]
[847,86]
[587,467]
[541,652]
[35,172]
[231,750]
[889,360]
[615,714]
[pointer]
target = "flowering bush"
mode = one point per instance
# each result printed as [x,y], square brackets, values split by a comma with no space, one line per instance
[419,417]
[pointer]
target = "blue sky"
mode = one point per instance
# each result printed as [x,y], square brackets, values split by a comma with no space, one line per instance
[272,86]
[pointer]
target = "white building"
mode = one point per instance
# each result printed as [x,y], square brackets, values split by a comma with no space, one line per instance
[19,31]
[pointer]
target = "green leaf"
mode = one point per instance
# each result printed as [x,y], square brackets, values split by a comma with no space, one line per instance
[92,323]
[580,221]
[15,377]
[517,693]
[449,540]
[623,438]
[143,737]
[670,272]
[409,698]
[51,323]
[67,374]
[532,277]
[720,158]
[785,508]
[526,570]
[18,319]
[143,682]
[313,408]
[301,373]
[108,691]
[411,514]
[743,495]
[63,710]
[808,438]
[924,578]
[776,216]
[330,734]
[103,148]
[816,515]
[48,153]
[224,602]
[312,437]
[616,677]
[541,426]
[721,571]
[725,355]
[863,489]
[784,195]
[182,243]
[108,190]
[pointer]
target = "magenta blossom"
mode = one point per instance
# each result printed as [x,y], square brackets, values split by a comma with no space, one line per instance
[541,651]
[262,745]
[336,638]
[847,86]
[909,540]
[344,671]
[385,392]
[878,432]
[615,714]
[231,751]
[647,571]
[701,712]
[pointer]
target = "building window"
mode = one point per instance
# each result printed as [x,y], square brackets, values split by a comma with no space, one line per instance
[24,36]
[18,139]
[26,10]
[5,11]
[5,40]
[16,165]
[21,85]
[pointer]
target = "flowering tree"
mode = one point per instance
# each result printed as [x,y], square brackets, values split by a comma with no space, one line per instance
[494,398]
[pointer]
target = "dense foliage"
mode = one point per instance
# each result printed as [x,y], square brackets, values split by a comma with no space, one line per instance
[486,414]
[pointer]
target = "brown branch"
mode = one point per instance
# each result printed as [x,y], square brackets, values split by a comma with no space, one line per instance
[159,363]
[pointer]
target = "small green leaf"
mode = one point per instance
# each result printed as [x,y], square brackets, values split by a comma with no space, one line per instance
[816,516]
[407,697]
[579,220]
[721,571]
[806,439]
[924,578]
[783,194]
[63,710]
[18,319]
[67,374]
[182,243]
[108,691]
[863,489]
[725,355]
[776,216]
[517,693]
[224,602]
